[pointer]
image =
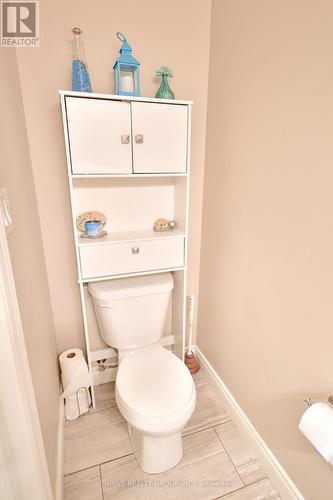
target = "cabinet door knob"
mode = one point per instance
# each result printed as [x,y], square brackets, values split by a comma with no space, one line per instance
[135,250]
[139,139]
[125,139]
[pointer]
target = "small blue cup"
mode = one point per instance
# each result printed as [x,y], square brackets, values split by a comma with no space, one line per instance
[93,227]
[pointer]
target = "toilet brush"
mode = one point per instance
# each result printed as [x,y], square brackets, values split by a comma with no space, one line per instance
[191,360]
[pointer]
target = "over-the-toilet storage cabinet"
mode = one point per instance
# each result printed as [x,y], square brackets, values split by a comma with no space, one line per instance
[129,159]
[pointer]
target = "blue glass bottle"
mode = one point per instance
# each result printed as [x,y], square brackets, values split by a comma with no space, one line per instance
[80,74]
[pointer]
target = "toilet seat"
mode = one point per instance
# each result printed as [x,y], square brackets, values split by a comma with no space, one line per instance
[155,391]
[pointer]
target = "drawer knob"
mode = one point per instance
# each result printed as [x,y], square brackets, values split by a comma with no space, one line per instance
[135,250]
[125,139]
[139,139]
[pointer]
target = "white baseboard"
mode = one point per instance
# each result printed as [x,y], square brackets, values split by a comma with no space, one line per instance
[282,482]
[60,456]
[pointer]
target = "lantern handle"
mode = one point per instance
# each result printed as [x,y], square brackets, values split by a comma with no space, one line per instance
[121,37]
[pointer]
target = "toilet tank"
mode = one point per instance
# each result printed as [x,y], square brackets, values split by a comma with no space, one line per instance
[131,312]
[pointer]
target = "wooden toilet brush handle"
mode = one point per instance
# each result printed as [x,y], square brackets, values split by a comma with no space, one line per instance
[191,361]
[191,307]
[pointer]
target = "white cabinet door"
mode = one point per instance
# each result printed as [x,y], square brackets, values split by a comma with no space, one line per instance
[159,137]
[99,135]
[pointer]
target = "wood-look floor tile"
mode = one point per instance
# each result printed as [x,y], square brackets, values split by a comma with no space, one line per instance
[83,485]
[205,472]
[261,490]
[208,411]
[247,465]
[95,438]
[199,377]
[105,395]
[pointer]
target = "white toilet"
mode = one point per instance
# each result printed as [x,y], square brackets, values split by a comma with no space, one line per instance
[154,390]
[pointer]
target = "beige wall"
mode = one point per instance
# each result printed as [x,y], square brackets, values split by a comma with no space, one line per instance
[173,33]
[27,256]
[266,283]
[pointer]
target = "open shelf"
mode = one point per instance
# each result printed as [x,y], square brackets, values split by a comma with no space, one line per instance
[129,236]
[132,204]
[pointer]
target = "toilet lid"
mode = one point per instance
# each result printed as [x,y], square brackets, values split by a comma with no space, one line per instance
[154,382]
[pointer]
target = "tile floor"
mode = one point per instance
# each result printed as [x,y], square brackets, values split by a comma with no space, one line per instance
[100,465]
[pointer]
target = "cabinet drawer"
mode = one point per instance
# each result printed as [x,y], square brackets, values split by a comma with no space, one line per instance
[107,259]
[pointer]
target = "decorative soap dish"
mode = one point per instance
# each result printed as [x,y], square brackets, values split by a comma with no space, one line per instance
[99,235]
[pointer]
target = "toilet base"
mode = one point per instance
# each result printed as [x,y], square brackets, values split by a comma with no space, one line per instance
[156,454]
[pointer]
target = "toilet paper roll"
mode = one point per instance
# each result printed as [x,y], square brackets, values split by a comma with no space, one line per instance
[317,425]
[74,376]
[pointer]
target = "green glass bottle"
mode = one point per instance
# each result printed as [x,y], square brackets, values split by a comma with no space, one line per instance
[164,92]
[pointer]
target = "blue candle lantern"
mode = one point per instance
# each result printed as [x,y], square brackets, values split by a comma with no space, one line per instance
[126,71]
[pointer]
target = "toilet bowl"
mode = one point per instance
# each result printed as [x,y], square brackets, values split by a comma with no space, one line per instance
[156,395]
[154,389]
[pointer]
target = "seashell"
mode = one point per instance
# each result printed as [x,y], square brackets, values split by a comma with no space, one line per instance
[164,225]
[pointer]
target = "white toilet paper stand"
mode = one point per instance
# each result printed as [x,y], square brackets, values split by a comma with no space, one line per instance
[78,400]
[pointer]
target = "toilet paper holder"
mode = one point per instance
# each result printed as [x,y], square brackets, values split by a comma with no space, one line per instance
[78,400]
[308,401]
